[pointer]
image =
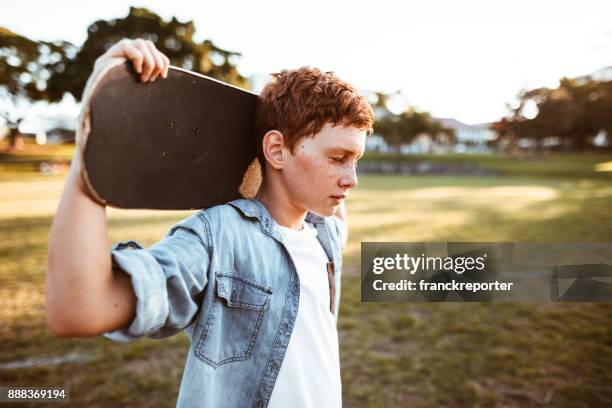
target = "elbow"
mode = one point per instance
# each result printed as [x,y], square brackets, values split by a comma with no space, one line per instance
[57,327]
[77,303]
[68,316]
[71,324]
[71,327]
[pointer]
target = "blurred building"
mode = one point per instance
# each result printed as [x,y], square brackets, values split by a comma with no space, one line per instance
[376,143]
[469,138]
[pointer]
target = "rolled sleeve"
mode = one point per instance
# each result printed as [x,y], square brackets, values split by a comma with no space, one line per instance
[168,279]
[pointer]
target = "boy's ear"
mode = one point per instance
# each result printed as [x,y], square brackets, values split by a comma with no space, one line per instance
[273,143]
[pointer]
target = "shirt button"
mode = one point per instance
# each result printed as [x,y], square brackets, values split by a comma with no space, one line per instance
[285,327]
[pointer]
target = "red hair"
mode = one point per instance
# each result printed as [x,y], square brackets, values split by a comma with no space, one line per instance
[298,103]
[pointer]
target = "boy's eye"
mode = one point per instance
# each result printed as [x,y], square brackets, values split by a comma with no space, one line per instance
[338,159]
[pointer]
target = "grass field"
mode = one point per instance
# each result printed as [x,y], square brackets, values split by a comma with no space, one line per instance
[409,354]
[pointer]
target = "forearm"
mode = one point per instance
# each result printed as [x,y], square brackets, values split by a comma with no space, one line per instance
[82,294]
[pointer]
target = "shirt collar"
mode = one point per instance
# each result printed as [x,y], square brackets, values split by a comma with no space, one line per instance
[254,208]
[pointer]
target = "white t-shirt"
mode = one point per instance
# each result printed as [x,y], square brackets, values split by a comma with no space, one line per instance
[310,373]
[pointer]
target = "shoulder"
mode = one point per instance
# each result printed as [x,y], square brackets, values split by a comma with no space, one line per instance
[228,219]
[202,221]
[223,213]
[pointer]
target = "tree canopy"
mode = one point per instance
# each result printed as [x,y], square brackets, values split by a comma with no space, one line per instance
[405,127]
[173,38]
[27,66]
[40,70]
[575,112]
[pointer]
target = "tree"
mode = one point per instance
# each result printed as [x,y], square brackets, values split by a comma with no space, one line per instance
[575,112]
[173,38]
[39,70]
[600,108]
[25,69]
[405,127]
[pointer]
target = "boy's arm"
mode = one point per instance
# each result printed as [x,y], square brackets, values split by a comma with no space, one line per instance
[84,296]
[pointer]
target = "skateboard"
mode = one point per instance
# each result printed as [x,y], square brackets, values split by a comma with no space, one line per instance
[183,142]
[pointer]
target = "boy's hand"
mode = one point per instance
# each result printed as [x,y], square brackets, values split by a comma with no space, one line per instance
[147,60]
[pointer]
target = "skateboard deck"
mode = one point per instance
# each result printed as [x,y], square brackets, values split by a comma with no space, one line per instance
[183,142]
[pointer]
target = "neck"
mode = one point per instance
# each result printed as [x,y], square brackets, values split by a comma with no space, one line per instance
[276,200]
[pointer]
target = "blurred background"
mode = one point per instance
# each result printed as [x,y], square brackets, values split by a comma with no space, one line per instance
[494,123]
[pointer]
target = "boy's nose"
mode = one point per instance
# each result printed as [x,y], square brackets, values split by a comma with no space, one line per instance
[349,180]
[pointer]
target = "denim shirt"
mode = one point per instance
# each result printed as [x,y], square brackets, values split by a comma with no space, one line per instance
[225,276]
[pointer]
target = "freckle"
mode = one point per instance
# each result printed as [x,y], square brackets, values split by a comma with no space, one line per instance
[116,305]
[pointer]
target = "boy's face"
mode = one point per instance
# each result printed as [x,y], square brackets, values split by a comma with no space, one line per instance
[322,168]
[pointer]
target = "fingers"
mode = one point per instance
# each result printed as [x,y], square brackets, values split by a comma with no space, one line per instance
[166,66]
[160,64]
[148,60]
[134,55]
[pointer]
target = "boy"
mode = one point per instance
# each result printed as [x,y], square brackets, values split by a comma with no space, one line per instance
[255,283]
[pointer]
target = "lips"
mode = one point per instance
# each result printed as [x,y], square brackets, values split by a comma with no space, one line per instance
[339,197]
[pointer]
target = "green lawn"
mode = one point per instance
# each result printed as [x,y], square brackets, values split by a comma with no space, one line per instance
[569,165]
[411,354]
[454,354]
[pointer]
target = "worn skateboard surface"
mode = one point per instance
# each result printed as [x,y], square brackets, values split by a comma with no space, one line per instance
[183,142]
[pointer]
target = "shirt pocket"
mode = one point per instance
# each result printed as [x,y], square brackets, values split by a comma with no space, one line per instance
[233,321]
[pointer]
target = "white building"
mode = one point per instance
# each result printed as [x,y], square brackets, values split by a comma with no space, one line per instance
[470,138]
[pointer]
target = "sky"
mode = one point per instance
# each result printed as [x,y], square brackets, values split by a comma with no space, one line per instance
[460,59]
